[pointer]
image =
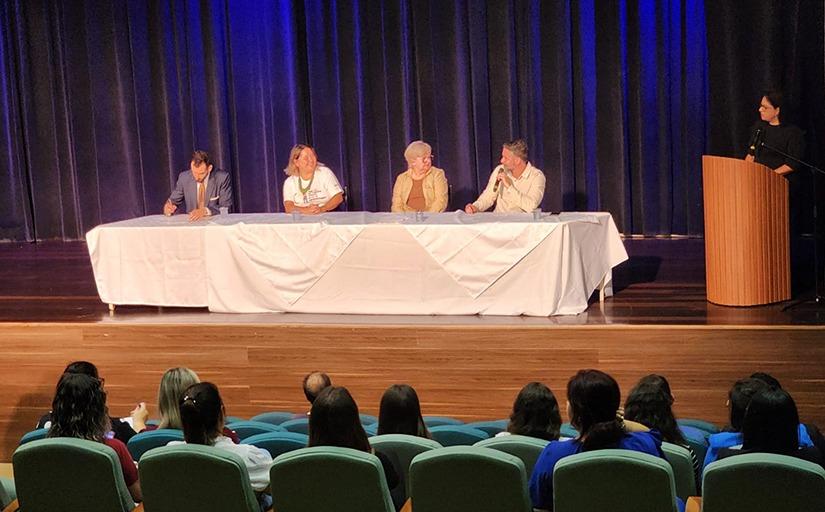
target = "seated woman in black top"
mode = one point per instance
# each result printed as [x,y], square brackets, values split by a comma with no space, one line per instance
[784,137]
[771,425]
[400,412]
[334,421]
[535,413]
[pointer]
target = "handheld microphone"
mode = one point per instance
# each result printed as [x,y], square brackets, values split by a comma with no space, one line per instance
[755,140]
[495,187]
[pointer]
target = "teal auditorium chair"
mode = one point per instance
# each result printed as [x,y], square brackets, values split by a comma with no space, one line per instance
[525,448]
[300,425]
[34,435]
[64,473]
[491,427]
[371,429]
[615,480]
[696,439]
[329,478]
[405,448]
[468,478]
[248,428]
[368,419]
[756,482]
[7,492]
[277,443]
[437,421]
[567,430]
[145,441]
[274,417]
[457,435]
[195,478]
[682,465]
[706,426]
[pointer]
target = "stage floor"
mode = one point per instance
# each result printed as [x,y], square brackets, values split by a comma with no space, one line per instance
[663,283]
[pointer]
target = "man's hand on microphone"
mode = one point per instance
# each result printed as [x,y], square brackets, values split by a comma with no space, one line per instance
[503,179]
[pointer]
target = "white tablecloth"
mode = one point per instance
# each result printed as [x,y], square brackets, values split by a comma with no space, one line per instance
[366,263]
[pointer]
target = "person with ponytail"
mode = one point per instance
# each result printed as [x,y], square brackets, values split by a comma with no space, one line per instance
[202,415]
[593,400]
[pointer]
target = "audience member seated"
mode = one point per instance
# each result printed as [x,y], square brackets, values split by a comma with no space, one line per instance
[535,413]
[122,429]
[650,403]
[334,421]
[79,411]
[592,401]
[172,385]
[771,425]
[314,383]
[400,412]
[202,414]
[806,430]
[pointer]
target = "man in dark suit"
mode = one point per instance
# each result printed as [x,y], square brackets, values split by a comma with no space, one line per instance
[203,190]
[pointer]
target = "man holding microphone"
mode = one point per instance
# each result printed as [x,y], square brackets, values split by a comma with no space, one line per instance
[514,186]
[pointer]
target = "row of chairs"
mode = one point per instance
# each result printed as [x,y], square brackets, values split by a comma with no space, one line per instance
[191,477]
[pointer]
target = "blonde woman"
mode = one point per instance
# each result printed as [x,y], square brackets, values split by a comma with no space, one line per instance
[172,385]
[311,187]
[422,187]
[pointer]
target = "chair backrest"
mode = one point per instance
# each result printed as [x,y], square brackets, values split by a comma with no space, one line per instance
[491,427]
[143,442]
[371,429]
[706,426]
[405,448]
[191,477]
[274,417]
[437,421]
[615,480]
[525,448]
[47,476]
[682,464]
[300,425]
[368,419]
[329,478]
[277,443]
[464,478]
[249,428]
[34,435]
[567,430]
[697,439]
[755,482]
[457,435]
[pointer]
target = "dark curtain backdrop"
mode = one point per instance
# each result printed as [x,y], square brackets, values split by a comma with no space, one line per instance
[102,102]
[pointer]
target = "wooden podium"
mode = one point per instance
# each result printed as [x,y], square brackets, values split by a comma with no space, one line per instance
[747,247]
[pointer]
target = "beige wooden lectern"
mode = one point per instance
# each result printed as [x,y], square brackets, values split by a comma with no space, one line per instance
[747,248]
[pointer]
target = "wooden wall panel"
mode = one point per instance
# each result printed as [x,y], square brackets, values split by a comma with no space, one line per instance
[471,372]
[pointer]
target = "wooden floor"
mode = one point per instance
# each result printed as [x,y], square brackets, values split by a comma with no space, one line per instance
[468,367]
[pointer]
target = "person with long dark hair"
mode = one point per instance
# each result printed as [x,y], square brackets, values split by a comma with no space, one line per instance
[771,425]
[202,414]
[650,403]
[400,412]
[334,421]
[774,134]
[79,410]
[592,405]
[123,431]
[739,397]
[535,413]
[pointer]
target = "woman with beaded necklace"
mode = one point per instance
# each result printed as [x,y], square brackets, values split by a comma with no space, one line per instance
[311,187]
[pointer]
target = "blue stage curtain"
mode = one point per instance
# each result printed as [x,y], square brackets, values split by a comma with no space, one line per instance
[102,102]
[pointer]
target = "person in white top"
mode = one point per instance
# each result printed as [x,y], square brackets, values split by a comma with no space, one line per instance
[202,414]
[311,187]
[514,186]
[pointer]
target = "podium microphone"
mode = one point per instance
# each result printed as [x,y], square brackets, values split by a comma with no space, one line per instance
[756,140]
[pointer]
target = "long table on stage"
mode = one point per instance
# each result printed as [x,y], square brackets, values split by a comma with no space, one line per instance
[359,262]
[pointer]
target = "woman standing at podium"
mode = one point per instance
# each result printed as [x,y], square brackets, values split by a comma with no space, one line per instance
[770,134]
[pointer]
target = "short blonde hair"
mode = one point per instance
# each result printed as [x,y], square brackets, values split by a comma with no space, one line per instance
[172,385]
[292,169]
[416,149]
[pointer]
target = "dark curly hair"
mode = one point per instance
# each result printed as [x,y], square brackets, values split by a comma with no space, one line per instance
[79,408]
[650,403]
[535,413]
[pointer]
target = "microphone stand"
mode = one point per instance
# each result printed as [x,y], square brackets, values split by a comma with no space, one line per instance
[818,297]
